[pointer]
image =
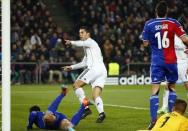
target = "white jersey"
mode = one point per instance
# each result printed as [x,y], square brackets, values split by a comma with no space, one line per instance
[182,60]
[93,56]
[95,73]
[182,57]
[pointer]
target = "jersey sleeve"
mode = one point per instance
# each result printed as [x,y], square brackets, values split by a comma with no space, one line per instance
[179,29]
[31,120]
[79,65]
[145,33]
[80,43]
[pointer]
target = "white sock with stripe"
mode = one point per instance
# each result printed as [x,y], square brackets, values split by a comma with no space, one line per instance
[80,94]
[99,104]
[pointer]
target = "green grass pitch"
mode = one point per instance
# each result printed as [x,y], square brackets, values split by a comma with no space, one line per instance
[119,106]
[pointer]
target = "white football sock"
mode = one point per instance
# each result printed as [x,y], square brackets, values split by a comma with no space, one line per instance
[80,94]
[99,104]
[165,99]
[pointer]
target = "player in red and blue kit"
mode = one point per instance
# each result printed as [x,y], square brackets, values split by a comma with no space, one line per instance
[160,33]
[53,120]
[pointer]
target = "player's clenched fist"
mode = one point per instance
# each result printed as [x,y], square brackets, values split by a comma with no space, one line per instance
[67,42]
[186,51]
[67,68]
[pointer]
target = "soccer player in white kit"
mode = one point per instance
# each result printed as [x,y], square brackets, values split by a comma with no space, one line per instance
[182,62]
[94,74]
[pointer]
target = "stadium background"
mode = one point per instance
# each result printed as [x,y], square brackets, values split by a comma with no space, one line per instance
[37,55]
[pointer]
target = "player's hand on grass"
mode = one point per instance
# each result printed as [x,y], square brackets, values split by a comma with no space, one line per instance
[67,68]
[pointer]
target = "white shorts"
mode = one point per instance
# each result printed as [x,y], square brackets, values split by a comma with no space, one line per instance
[182,72]
[95,76]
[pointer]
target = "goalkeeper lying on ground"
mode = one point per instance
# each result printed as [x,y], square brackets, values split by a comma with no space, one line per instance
[53,120]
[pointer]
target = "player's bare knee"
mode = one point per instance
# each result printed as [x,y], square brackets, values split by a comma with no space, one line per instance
[96,93]
[76,86]
[155,92]
[94,96]
[171,86]
[155,89]
[171,89]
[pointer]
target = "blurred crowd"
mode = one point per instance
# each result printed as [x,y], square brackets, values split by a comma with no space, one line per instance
[116,26]
[35,38]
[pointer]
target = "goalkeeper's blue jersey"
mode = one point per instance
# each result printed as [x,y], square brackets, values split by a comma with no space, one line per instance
[36,117]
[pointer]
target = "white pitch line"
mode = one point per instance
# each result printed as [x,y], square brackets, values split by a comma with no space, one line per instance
[129,107]
[109,105]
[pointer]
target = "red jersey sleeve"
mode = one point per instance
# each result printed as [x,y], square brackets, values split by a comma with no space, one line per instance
[179,29]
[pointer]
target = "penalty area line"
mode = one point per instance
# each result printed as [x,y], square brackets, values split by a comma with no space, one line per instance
[128,107]
[107,105]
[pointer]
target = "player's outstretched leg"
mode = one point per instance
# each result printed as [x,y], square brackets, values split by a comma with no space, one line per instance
[86,112]
[64,89]
[81,95]
[78,116]
[54,105]
[79,90]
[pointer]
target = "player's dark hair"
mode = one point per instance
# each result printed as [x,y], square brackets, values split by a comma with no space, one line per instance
[161,9]
[180,106]
[34,108]
[87,29]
